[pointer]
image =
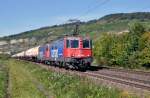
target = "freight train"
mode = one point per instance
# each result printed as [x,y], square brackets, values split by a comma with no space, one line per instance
[70,52]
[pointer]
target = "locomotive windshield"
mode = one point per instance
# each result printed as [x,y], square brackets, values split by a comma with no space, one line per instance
[72,43]
[86,43]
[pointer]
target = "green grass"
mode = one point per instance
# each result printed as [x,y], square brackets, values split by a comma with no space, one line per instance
[58,85]
[22,85]
[21,82]
[3,81]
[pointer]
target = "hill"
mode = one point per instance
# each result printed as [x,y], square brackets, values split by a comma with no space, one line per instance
[142,16]
[109,23]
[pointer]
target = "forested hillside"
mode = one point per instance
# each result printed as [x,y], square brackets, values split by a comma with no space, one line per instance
[109,23]
[112,22]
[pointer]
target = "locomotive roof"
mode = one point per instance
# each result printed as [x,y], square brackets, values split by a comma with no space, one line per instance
[77,37]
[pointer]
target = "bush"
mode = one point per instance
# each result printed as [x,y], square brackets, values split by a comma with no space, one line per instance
[102,49]
[144,55]
[133,60]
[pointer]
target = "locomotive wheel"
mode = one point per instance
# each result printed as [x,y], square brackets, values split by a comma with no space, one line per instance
[82,68]
[65,65]
[60,65]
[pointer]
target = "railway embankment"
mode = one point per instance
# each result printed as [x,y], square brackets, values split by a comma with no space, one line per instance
[29,80]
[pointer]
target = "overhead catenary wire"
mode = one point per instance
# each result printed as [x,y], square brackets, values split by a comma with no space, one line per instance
[91,9]
[93,2]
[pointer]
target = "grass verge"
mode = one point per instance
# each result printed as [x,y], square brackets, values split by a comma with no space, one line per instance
[66,86]
[3,81]
[21,83]
[24,74]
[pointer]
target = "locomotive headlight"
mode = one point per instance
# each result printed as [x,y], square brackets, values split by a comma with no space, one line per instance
[73,55]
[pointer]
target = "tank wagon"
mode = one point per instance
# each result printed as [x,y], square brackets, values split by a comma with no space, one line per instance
[31,54]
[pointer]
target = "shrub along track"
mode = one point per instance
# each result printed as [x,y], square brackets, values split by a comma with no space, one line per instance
[134,81]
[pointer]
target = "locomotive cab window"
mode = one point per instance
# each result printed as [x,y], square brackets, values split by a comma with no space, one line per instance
[86,43]
[74,43]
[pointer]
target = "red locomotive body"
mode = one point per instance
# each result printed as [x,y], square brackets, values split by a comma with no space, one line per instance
[77,47]
[78,51]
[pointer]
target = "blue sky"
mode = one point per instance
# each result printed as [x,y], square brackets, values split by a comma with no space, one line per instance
[22,15]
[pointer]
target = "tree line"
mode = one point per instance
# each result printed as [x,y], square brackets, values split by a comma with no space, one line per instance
[130,49]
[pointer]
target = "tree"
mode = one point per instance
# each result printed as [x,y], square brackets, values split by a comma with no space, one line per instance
[136,30]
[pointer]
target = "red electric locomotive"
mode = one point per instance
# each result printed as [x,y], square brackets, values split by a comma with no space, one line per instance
[78,51]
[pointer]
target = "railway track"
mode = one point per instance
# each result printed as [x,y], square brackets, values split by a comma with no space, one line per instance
[140,84]
[129,71]
[137,79]
[125,78]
